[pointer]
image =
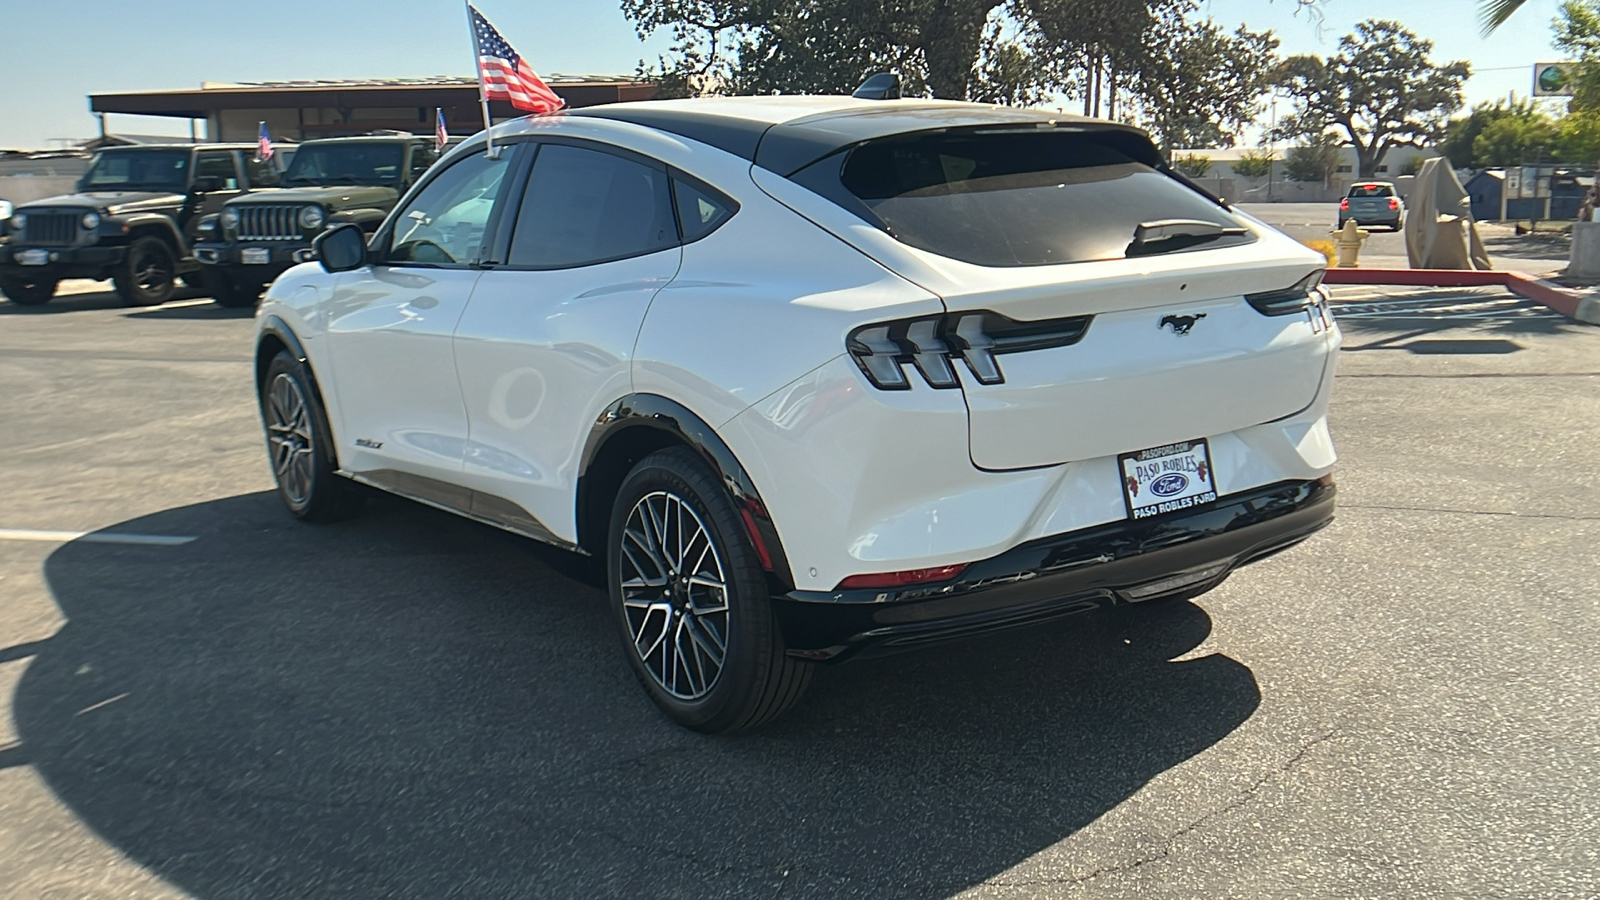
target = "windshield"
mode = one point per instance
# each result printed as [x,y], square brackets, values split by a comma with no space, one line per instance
[1027,199]
[138,170]
[346,164]
[1371,190]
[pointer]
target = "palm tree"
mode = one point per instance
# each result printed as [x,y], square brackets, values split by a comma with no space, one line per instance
[1494,13]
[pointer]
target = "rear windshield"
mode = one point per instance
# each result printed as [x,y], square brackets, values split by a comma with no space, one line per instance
[1371,190]
[1023,199]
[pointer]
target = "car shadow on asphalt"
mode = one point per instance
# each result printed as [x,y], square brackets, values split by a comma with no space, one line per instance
[412,705]
[86,301]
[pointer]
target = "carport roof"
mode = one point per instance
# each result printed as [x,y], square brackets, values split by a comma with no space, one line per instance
[199,103]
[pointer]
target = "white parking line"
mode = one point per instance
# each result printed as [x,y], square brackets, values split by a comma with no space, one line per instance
[93,537]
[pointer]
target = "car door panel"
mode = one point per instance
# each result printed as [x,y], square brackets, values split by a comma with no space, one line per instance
[547,340]
[391,327]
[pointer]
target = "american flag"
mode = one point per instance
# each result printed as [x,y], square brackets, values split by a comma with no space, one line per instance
[505,75]
[440,135]
[263,143]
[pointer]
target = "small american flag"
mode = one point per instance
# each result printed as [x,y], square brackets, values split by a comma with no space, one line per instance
[505,75]
[263,143]
[440,135]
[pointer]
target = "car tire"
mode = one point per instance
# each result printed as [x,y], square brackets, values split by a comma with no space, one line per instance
[148,274]
[672,615]
[226,292]
[300,446]
[24,292]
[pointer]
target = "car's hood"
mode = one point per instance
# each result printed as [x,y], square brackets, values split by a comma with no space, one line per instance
[336,196]
[117,203]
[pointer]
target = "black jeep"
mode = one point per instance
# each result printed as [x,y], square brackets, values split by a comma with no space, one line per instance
[331,182]
[135,216]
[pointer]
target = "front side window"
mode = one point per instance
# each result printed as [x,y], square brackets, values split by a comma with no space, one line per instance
[353,163]
[219,166]
[584,206]
[445,223]
[422,156]
[138,170]
[1025,198]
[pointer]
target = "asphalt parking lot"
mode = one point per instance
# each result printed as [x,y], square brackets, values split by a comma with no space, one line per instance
[202,698]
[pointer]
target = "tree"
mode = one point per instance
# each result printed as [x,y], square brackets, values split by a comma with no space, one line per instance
[1194,165]
[1315,161]
[1200,86]
[1380,91]
[1494,13]
[1460,133]
[1578,137]
[1578,33]
[1181,76]
[1515,141]
[1254,165]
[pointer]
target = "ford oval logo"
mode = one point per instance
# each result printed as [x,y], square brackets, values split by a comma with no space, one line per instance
[1169,484]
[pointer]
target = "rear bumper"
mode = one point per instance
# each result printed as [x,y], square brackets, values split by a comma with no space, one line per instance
[1179,555]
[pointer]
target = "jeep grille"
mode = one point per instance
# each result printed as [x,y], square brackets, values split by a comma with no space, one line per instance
[51,229]
[269,222]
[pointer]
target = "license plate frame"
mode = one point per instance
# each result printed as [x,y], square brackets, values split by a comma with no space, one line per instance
[34,257]
[1170,478]
[255,256]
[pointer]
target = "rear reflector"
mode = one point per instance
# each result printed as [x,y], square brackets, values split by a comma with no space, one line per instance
[901,579]
[1167,585]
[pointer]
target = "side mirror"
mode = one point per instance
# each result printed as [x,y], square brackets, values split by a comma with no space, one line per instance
[341,249]
[205,184]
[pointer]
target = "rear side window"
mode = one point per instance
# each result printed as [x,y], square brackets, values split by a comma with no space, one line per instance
[1371,190]
[1022,199]
[584,206]
[699,212]
[219,166]
[262,172]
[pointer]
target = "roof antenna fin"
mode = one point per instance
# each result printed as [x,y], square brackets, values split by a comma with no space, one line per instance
[881,86]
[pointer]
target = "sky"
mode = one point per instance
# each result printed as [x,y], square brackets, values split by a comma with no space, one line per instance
[54,53]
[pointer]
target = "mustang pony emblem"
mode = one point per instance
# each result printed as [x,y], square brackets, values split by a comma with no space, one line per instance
[1180,324]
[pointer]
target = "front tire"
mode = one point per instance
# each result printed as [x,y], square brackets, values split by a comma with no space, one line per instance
[26,292]
[148,273]
[229,293]
[691,600]
[299,443]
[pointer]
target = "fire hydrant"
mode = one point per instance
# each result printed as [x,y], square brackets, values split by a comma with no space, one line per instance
[1348,241]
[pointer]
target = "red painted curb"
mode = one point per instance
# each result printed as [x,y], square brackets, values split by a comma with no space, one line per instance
[1522,284]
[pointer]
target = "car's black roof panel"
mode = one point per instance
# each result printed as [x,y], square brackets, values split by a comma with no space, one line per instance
[787,146]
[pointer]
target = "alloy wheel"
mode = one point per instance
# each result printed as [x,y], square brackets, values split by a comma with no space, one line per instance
[289,437]
[151,272]
[674,595]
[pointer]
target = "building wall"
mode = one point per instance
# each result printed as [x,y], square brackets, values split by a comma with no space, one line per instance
[312,122]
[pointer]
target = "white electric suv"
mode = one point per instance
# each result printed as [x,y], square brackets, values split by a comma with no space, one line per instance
[816,376]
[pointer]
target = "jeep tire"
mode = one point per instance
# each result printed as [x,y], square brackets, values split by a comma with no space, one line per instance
[28,291]
[148,274]
[226,291]
[691,600]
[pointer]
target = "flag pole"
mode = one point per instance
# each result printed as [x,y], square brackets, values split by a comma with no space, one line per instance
[477,67]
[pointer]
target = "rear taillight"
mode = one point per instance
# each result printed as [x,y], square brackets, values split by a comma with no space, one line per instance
[1295,298]
[1393,203]
[932,344]
[1345,203]
[901,579]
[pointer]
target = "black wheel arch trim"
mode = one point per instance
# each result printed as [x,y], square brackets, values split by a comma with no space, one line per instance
[276,327]
[659,413]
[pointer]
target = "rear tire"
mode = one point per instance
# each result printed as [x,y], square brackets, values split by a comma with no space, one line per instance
[300,446]
[691,600]
[148,274]
[24,292]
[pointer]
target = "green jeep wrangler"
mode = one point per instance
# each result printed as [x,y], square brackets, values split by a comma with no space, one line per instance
[133,220]
[331,181]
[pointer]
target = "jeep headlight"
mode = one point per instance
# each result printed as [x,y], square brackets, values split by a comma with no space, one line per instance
[90,221]
[311,218]
[208,224]
[230,218]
